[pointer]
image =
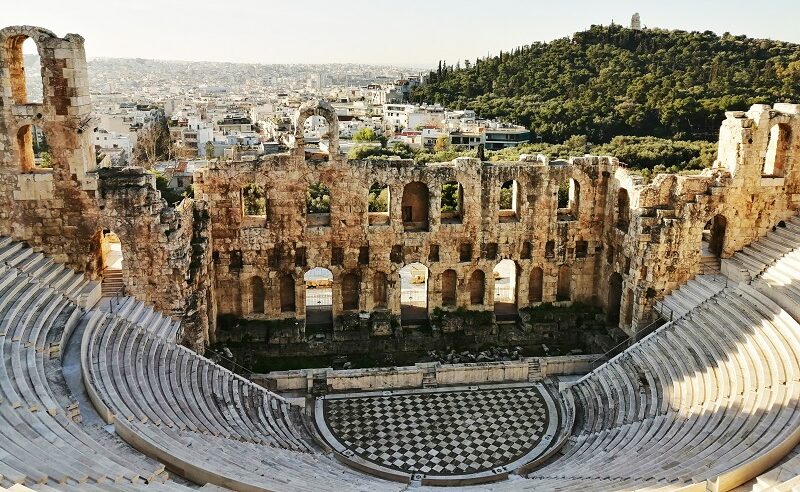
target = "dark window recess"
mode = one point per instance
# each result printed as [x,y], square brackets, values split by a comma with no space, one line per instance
[550,249]
[525,253]
[215,257]
[396,256]
[433,253]
[337,256]
[300,256]
[581,249]
[236,260]
[610,255]
[275,258]
[363,255]
[465,252]
[490,251]
[627,265]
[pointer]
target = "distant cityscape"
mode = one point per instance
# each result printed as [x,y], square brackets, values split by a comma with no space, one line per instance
[213,110]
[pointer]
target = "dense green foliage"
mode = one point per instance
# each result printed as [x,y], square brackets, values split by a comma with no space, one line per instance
[379,198]
[451,199]
[318,199]
[611,81]
[365,135]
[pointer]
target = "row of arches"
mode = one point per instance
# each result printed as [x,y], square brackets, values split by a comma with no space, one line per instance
[414,281]
[415,202]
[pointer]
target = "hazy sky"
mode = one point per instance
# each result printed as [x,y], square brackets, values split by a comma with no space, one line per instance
[410,32]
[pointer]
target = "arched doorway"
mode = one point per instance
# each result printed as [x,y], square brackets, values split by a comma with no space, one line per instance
[505,289]
[712,244]
[449,281]
[287,293]
[535,285]
[564,290]
[614,299]
[477,288]
[413,293]
[319,300]
[111,254]
[414,207]
[256,295]
[351,288]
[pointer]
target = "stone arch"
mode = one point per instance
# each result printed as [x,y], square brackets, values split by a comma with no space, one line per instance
[623,210]
[449,284]
[415,206]
[536,285]
[257,295]
[451,203]
[477,287]
[318,298]
[380,297]
[614,301]
[413,293]
[713,238]
[564,286]
[317,107]
[351,290]
[287,293]
[12,39]
[778,145]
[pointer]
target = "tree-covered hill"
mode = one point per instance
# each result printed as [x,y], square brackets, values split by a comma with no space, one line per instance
[610,81]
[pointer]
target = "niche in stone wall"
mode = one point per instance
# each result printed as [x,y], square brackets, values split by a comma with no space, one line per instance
[477,287]
[256,295]
[380,297]
[415,207]
[564,286]
[351,291]
[287,292]
[449,282]
[465,252]
[623,210]
[536,285]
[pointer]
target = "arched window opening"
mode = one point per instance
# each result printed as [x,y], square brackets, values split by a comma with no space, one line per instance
[351,289]
[550,249]
[378,205]
[256,296]
[413,294]
[318,205]
[380,297]
[287,293]
[449,282]
[525,251]
[254,201]
[614,303]
[777,149]
[316,137]
[33,149]
[25,70]
[563,292]
[505,289]
[477,287]
[535,285]
[452,203]
[623,210]
[713,242]
[319,299]
[569,193]
[509,201]
[415,205]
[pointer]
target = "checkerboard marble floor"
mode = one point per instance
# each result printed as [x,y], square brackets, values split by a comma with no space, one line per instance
[440,433]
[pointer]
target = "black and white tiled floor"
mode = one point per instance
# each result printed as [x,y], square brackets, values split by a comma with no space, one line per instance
[441,432]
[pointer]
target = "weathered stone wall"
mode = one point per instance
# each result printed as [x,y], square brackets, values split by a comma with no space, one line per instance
[64,209]
[287,242]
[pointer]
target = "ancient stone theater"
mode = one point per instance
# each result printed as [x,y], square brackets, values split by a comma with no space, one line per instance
[109,390]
